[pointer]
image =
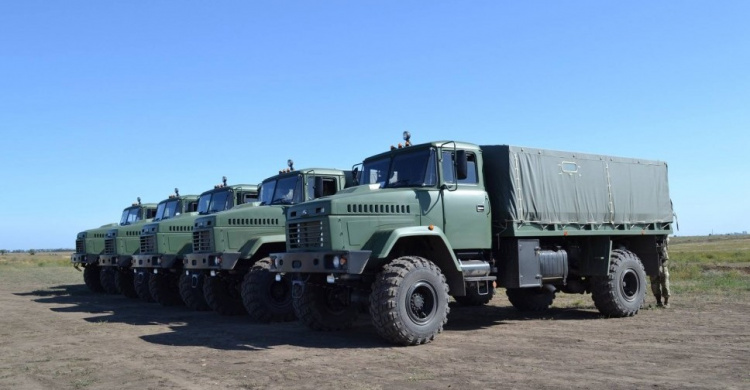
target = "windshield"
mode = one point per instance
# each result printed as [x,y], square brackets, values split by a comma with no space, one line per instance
[130,215]
[166,210]
[283,191]
[416,169]
[215,201]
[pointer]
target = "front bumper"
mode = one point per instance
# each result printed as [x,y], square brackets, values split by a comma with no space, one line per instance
[154,261]
[115,261]
[82,258]
[320,262]
[211,261]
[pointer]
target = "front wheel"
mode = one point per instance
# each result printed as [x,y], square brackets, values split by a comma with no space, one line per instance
[107,280]
[409,301]
[191,291]
[325,307]
[165,288]
[621,293]
[265,299]
[222,294]
[91,278]
[125,282]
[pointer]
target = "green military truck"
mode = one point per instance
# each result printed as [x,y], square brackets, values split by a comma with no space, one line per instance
[161,242]
[164,246]
[120,243]
[90,244]
[227,245]
[453,218]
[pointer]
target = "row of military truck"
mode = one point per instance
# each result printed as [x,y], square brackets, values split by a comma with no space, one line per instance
[396,237]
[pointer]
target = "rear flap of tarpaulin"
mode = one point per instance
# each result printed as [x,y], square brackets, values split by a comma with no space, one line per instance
[553,187]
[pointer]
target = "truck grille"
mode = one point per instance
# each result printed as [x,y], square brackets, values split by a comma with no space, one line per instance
[148,243]
[109,246]
[202,241]
[306,235]
[80,246]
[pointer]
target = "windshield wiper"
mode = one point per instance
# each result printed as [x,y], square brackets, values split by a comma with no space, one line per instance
[281,201]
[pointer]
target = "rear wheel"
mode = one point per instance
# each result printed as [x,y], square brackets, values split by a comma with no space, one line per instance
[531,299]
[223,295]
[191,291]
[265,299]
[124,280]
[91,278]
[141,284]
[107,280]
[322,306]
[165,288]
[621,293]
[409,301]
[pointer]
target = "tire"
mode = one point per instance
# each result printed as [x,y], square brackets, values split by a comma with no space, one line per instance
[141,285]
[265,299]
[622,292]
[409,301]
[530,298]
[223,294]
[165,288]
[124,280]
[91,278]
[472,297]
[107,280]
[324,307]
[191,292]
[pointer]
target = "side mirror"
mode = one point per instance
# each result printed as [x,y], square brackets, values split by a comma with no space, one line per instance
[461,165]
[318,188]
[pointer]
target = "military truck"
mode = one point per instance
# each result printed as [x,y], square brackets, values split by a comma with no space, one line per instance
[232,247]
[90,243]
[120,243]
[455,219]
[190,285]
[162,241]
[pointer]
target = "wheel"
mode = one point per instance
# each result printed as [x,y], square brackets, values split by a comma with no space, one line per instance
[223,295]
[531,298]
[265,299]
[107,280]
[191,291]
[91,278]
[621,293]
[473,298]
[165,288]
[409,301]
[124,280]
[141,285]
[323,306]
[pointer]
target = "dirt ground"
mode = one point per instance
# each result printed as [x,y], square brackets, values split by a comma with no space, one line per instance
[55,334]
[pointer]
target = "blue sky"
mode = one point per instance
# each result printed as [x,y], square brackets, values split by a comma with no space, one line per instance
[102,102]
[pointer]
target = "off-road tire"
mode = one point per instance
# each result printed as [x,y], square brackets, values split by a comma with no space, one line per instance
[323,306]
[409,301]
[125,282]
[91,278]
[530,298]
[193,296]
[472,297]
[265,299]
[165,288]
[223,295]
[107,280]
[622,292]
[141,284]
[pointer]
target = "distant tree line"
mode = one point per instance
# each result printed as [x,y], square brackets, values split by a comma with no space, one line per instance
[35,251]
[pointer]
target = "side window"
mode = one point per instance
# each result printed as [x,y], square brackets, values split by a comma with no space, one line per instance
[448,168]
[151,213]
[192,207]
[329,186]
[247,197]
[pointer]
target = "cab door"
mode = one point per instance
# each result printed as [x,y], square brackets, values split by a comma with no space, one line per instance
[466,205]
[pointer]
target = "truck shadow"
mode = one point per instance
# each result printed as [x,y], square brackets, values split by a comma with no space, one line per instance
[207,329]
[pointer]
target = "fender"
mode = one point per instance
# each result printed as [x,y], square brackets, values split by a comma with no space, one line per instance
[254,244]
[439,252]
